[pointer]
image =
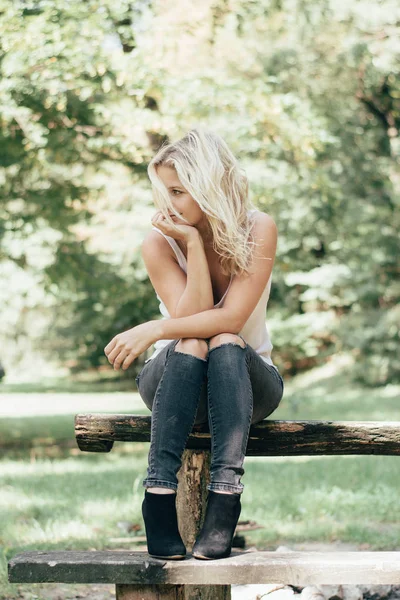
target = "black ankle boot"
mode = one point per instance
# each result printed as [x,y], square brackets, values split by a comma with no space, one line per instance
[161,523]
[216,535]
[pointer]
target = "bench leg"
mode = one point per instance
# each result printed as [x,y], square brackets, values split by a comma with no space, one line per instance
[173,592]
[193,478]
[149,592]
[207,592]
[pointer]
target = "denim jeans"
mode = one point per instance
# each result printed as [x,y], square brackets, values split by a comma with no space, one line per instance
[231,389]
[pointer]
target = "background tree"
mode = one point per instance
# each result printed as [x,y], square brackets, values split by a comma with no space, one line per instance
[306,95]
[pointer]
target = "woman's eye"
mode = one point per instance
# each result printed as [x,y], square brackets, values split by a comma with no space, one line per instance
[176,191]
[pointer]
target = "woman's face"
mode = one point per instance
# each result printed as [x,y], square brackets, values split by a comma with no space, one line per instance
[180,198]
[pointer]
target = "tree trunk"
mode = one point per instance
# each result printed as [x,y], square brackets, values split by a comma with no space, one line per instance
[193,478]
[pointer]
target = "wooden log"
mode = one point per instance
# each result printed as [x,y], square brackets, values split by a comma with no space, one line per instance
[175,592]
[150,592]
[267,438]
[193,478]
[95,445]
[138,568]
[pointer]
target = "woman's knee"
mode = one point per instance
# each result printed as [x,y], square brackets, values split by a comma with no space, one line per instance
[194,346]
[225,338]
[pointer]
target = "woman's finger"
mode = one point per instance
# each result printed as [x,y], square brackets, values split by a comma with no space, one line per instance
[128,361]
[161,223]
[110,346]
[120,359]
[113,355]
[157,219]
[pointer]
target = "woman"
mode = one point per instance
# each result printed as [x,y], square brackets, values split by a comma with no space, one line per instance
[209,257]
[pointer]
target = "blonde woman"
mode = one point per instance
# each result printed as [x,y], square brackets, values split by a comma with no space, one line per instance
[209,257]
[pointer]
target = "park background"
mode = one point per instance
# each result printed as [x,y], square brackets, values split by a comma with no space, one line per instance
[307,95]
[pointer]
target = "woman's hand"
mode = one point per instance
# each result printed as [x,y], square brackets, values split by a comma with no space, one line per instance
[177,231]
[125,347]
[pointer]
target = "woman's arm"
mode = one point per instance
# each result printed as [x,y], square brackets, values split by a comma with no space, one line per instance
[242,297]
[128,345]
[202,325]
[239,304]
[198,294]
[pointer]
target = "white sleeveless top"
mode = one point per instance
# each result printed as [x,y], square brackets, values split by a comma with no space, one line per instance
[254,332]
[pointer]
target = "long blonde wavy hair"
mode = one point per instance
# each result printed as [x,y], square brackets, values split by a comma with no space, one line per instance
[213,177]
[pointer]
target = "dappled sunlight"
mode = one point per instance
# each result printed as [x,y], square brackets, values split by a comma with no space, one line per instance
[320,497]
[301,498]
[390,391]
[320,391]
[49,404]
[115,507]
[336,398]
[39,468]
[55,531]
[327,500]
[334,367]
[289,459]
[293,529]
[283,529]
[21,501]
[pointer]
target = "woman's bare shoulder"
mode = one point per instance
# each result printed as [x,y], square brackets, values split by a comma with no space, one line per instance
[262,218]
[155,241]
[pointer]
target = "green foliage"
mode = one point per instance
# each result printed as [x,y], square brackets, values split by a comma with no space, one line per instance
[94,304]
[307,95]
[57,127]
[327,121]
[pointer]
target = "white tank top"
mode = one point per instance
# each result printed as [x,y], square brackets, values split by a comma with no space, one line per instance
[254,332]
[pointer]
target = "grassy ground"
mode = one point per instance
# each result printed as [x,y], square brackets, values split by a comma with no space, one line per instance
[52,496]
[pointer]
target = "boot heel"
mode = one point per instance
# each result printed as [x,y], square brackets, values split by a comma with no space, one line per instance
[161,524]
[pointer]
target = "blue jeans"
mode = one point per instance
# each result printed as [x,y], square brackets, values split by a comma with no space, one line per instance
[231,389]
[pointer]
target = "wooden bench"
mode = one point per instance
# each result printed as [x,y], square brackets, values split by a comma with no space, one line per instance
[139,576]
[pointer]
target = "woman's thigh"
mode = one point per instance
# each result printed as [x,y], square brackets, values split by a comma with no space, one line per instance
[149,377]
[266,382]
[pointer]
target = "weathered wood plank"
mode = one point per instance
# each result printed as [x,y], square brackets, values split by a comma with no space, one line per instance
[174,592]
[121,567]
[150,592]
[97,432]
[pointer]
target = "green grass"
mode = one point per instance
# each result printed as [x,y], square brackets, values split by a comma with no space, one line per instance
[46,421]
[86,382]
[52,496]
